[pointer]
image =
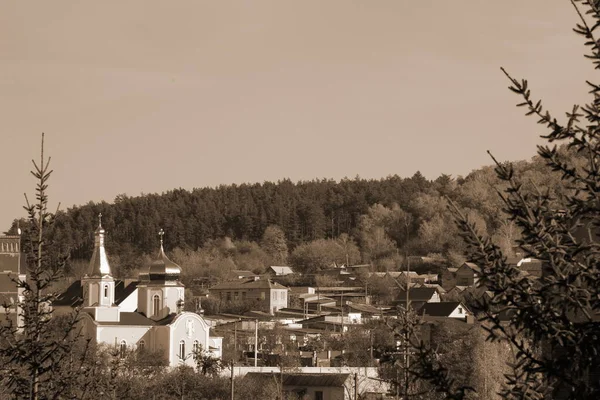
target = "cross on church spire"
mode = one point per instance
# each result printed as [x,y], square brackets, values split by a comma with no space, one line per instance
[161,233]
[99,220]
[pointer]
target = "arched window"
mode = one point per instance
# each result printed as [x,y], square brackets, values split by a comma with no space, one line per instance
[122,348]
[105,290]
[195,348]
[182,350]
[141,345]
[155,304]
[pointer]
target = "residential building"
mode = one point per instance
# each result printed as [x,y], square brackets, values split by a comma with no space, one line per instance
[418,297]
[268,295]
[446,309]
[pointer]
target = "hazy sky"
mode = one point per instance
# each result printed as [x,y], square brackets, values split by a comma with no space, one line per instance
[146,96]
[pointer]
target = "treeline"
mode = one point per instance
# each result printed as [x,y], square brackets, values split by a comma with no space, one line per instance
[384,217]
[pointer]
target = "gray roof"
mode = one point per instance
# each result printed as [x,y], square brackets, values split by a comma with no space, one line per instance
[307,380]
[251,284]
[443,309]
[417,294]
[281,270]
[130,319]
[73,296]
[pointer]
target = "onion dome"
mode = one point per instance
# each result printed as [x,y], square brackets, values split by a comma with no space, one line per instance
[163,269]
[99,265]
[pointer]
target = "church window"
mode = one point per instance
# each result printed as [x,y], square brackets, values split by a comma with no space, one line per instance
[195,348]
[105,290]
[122,348]
[155,304]
[243,295]
[235,296]
[182,349]
[460,310]
[228,296]
[141,345]
[262,295]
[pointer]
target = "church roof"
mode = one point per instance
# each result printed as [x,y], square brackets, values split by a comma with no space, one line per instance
[123,291]
[99,265]
[130,319]
[162,268]
[73,296]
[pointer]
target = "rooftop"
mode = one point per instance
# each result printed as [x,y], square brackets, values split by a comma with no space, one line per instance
[443,309]
[299,379]
[249,284]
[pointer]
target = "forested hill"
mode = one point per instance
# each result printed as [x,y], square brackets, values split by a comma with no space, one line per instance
[410,211]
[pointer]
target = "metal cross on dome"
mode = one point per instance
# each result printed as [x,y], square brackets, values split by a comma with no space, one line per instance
[161,233]
[100,219]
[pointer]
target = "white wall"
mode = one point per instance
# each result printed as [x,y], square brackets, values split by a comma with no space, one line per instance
[187,327]
[113,334]
[457,314]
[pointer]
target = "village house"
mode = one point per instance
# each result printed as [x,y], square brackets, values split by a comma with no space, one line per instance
[446,309]
[418,297]
[269,295]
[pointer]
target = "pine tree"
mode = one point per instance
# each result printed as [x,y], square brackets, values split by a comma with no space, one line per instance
[42,356]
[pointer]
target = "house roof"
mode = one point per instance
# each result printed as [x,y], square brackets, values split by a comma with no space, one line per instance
[417,294]
[443,309]
[307,380]
[471,266]
[242,273]
[364,308]
[250,284]
[332,380]
[281,270]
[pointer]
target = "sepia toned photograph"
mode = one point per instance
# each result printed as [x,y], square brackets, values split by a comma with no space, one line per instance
[300,200]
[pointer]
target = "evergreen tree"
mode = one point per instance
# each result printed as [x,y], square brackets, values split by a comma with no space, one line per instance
[41,356]
[551,322]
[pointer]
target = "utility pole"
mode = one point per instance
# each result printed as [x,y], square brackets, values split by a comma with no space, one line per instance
[235,341]
[406,339]
[342,306]
[256,342]
[355,386]
[281,381]
[232,384]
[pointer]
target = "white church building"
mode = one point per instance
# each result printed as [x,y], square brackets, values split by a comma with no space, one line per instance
[144,314]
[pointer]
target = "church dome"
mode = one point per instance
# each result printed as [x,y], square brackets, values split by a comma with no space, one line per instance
[163,269]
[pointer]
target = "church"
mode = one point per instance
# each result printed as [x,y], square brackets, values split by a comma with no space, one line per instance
[143,314]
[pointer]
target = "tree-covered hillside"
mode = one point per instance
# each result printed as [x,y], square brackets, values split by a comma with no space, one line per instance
[385,217]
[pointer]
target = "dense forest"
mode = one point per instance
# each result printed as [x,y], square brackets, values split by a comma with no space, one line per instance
[377,221]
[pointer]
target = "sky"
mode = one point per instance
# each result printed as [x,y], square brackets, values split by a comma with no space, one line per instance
[143,96]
